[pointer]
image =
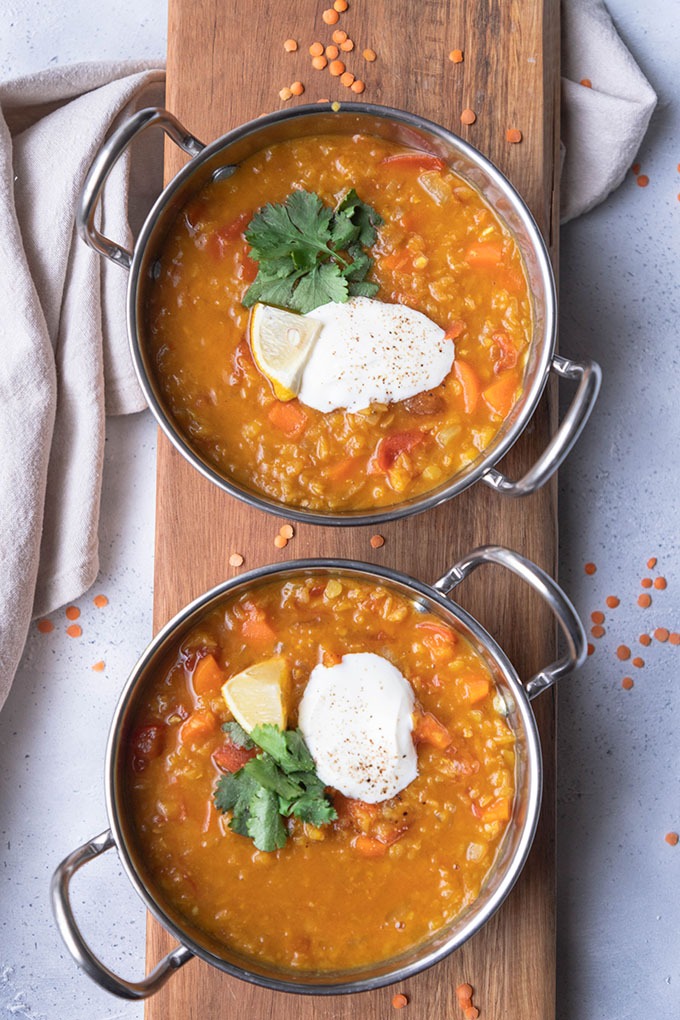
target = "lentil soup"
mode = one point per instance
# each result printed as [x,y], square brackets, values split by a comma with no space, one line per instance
[441,250]
[382,877]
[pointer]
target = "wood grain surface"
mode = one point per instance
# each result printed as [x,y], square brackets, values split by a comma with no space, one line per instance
[226,64]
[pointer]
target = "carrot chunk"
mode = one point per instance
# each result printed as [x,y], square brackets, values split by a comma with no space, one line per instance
[369,846]
[415,161]
[469,380]
[484,254]
[258,630]
[498,811]
[207,677]
[477,689]
[198,727]
[288,417]
[428,730]
[500,395]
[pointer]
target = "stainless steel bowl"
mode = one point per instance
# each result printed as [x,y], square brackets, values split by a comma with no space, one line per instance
[219,158]
[511,855]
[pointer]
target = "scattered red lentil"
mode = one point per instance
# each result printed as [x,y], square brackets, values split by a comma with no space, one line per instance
[332,52]
[586,82]
[287,530]
[341,5]
[285,94]
[336,67]
[339,36]
[358,87]
[290,46]
[72,613]
[280,542]
[399,1000]
[319,63]
[623,652]
[316,49]
[471,1013]
[236,560]
[75,630]
[612,601]
[661,634]
[645,640]
[644,601]
[636,170]
[643,181]
[297,88]
[347,46]
[100,601]
[674,639]
[646,582]
[627,683]
[637,662]
[370,55]
[672,838]
[591,648]
[513,135]
[590,568]
[456,56]
[347,79]
[660,583]
[651,563]
[330,17]
[468,116]
[323,100]
[45,626]
[377,541]
[464,991]
[597,616]
[99,667]
[597,631]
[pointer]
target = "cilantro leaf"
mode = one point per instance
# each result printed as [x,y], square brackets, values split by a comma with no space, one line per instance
[307,252]
[265,827]
[288,749]
[238,735]
[363,289]
[264,771]
[315,810]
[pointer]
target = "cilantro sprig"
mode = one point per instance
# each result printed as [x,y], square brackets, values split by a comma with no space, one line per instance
[281,781]
[310,254]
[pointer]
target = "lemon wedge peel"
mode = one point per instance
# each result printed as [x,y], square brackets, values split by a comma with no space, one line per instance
[281,343]
[257,695]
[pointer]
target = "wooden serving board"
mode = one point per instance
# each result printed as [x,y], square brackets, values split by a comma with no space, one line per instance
[226,64]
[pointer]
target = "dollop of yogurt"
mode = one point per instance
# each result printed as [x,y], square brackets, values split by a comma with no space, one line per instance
[357,720]
[371,352]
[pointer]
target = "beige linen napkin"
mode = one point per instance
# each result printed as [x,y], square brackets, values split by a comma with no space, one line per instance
[64,357]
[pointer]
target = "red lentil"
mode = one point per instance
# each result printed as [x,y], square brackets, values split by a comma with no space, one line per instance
[100,601]
[623,652]
[75,630]
[597,631]
[612,601]
[236,560]
[290,46]
[377,541]
[456,56]
[643,181]
[638,662]
[645,640]
[468,116]
[513,135]
[661,634]
[597,616]
[590,568]
[651,563]
[660,583]
[646,582]
[644,601]
[672,838]
[45,626]
[399,1001]
[627,683]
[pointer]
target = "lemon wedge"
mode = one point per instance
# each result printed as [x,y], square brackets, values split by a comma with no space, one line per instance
[256,695]
[281,343]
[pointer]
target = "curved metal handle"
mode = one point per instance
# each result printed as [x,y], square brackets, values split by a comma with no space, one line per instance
[590,375]
[77,946]
[104,162]
[548,589]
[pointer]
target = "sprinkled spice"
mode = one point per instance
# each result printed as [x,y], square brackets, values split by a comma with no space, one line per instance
[638,662]
[645,640]
[623,652]
[586,82]
[290,46]
[377,541]
[456,56]
[468,116]
[99,667]
[651,563]
[672,838]
[661,634]
[72,613]
[100,601]
[627,683]
[45,626]
[287,530]
[236,560]
[370,55]
[646,582]
[513,135]
[75,630]
[612,601]
[280,542]
[642,181]
[660,583]
[597,631]
[597,616]
[399,1000]
[590,568]
[644,601]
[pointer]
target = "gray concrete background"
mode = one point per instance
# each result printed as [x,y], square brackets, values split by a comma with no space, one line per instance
[619,781]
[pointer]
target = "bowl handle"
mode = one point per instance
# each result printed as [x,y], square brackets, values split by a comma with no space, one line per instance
[590,375]
[548,589]
[104,162]
[78,948]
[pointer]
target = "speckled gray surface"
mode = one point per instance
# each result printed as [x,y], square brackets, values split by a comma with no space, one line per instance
[619,784]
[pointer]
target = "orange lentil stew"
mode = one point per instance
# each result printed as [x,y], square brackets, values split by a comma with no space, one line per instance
[380,878]
[440,250]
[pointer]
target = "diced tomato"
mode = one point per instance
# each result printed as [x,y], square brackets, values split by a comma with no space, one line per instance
[428,730]
[222,239]
[455,329]
[507,353]
[147,743]
[246,268]
[391,446]
[484,254]
[198,727]
[438,630]
[415,161]
[288,417]
[230,758]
